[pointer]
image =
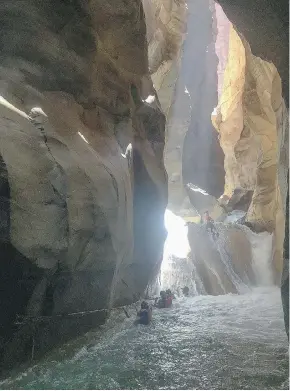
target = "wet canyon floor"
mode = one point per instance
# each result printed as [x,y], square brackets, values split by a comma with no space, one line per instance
[203,342]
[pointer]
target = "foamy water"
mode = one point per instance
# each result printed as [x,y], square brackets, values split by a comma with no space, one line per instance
[203,342]
[178,270]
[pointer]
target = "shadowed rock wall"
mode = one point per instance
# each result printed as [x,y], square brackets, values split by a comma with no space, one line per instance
[83,186]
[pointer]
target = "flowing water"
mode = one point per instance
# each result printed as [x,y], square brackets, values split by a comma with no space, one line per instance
[179,270]
[229,341]
[202,342]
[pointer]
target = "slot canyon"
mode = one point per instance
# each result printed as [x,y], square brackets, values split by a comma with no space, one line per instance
[123,123]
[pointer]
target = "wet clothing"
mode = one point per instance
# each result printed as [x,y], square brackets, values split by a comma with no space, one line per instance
[209,222]
[145,316]
[161,303]
[169,301]
[185,291]
[210,225]
[164,302]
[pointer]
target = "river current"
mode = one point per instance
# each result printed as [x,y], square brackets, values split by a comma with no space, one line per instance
[202,342]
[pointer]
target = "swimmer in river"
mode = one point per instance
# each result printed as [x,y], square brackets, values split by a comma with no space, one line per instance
[185,291]
[169,298]
[145,314]
[161,301]
[165,299]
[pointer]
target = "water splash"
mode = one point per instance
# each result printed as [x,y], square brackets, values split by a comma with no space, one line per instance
[176,271]
[262,251]
[222,262]
[202,342]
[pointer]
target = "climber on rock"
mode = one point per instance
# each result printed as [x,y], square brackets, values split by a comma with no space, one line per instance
[210,225]
[145,314]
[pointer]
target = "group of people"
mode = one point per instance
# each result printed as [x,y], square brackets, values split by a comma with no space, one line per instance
[144,316]
[165,299]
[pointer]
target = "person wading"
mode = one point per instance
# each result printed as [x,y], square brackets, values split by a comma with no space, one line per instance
[145,314]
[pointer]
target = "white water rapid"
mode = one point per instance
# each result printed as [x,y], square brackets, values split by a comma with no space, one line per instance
[202,342]
[229,341]
[235,269]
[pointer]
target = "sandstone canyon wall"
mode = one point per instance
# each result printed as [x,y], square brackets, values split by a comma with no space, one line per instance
[252,124]
[265,25]
[234,263]
[166,27]
[251,119]
[83,185]
[166,32]
[217,68]
[193,157]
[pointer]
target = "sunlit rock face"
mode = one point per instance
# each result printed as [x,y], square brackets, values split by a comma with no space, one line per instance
[202,157]
[185,78]
[83,186]
[192,153]
[166,31]
[264,24]
[251,119]
[233,263]
[166,26]
[253,134]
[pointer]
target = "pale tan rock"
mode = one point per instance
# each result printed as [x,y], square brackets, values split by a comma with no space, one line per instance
[166,25]
[74,178]
[226,267]
[250,125]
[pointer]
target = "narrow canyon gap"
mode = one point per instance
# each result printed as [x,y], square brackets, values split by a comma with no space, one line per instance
[83,185]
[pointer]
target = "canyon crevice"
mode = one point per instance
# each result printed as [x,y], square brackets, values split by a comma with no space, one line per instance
[93,92]
[83,185]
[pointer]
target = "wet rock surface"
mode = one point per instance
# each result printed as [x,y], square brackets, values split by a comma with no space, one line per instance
[183,348]
[232,261]
[251,120]
[83,188]
[78,199]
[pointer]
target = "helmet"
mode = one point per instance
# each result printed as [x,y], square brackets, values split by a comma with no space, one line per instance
[144,305]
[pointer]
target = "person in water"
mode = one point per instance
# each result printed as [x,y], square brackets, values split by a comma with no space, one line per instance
[210,224]
[145,314]
[169,298]
[161,301]
[165,299]
[185,291]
